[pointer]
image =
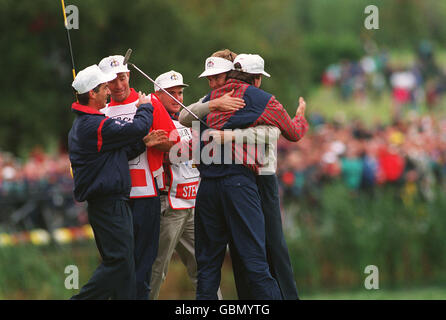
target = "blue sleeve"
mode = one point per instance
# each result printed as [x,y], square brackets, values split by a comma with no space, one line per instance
[134,150]
[116,133]
[207,98]
[256,102]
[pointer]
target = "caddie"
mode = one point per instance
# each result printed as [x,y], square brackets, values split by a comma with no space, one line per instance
[178,199]
[145,170]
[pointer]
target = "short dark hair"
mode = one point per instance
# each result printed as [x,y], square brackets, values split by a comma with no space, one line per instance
[84,98]
[242,76]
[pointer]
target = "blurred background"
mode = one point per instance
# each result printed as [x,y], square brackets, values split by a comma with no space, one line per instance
[364,187]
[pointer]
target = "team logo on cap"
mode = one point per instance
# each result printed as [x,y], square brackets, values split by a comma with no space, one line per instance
[174,77]
[210,64]
[114,63]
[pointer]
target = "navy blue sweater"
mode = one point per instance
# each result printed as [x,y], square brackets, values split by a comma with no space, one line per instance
[256,101]
[99,149]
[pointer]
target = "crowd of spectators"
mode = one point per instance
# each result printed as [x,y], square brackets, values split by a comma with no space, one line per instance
[37,193]
[411,86]
[409,154]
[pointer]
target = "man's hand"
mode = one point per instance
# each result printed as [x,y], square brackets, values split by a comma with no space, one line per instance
[226,103]
[142,99]
[301,108]
[155,138]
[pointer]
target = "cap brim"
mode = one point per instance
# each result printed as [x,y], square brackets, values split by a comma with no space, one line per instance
[213,72]
[120,69]
[105,77]
[108,77]
[158,88]
[266,74]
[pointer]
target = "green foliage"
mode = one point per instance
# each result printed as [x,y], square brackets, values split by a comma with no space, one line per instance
[297,38]
[330,241]
[333,242]
[327,50]
[31,272]
[410,293]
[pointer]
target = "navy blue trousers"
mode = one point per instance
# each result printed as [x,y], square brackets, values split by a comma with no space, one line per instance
[229,209]
[114,278]
[276,247]
[146,229]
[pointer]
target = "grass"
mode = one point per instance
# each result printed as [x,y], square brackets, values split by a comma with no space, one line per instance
[33,272]
[178,286]
[38,273]
[424,293]
[326,102]
[406,58]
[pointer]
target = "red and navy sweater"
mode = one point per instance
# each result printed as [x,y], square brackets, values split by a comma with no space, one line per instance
[261,108]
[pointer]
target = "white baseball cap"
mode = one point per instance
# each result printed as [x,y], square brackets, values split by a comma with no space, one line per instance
[89,78]
[216,65]
[251,63]
[168,80]
[113,64]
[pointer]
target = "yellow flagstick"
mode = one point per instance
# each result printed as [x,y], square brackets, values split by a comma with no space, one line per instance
[64,14]
[68,37]
[71,53]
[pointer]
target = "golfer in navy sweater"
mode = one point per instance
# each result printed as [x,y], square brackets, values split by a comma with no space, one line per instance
[99,149]
[228,206]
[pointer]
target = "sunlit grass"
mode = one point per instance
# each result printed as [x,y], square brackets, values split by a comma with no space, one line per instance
[327,102]
[39,274]
[425,293]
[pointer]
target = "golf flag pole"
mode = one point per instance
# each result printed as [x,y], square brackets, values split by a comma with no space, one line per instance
[69,39]
[73,69]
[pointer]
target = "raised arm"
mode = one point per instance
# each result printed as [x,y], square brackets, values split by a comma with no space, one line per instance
[276,115]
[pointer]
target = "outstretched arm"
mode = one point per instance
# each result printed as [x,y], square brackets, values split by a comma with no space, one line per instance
[158,139]
[225,103]
[276,115]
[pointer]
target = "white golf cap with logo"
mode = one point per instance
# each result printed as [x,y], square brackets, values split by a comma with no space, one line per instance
[251,63]
[168,80]
[216,65]
[89,78]
[113,64]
